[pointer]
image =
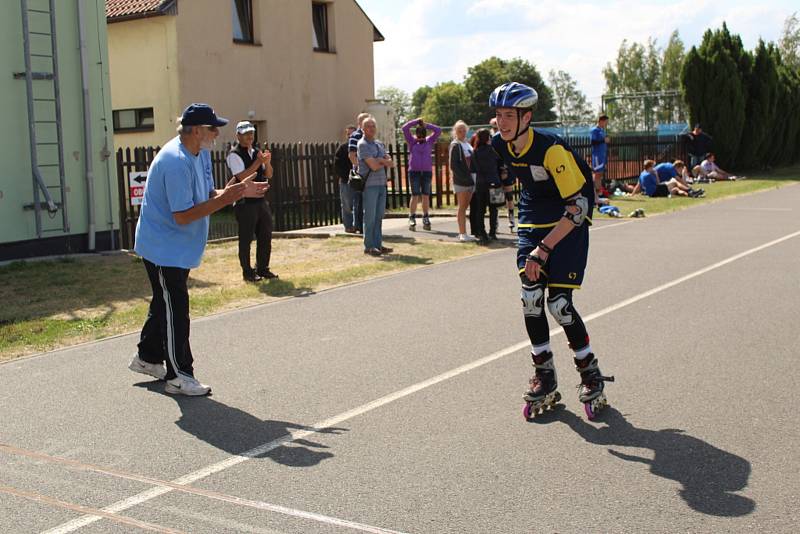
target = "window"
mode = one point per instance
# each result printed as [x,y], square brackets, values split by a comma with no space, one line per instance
[320,20]
[133,120]
[242,20]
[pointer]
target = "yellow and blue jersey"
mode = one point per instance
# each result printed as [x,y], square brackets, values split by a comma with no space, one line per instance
[549,172]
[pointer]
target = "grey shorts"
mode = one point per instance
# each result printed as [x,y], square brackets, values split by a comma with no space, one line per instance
[463,188]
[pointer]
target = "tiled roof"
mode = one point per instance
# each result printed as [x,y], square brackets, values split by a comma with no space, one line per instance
[125,9]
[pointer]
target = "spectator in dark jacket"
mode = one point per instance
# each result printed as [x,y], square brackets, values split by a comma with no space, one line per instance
[253,213]
[342,166]
[485,162]
[698,144]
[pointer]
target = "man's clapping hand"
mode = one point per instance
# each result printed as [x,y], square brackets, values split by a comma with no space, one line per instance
[254,189]
[233,192]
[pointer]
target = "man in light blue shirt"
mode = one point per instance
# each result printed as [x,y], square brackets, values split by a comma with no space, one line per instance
[171,236]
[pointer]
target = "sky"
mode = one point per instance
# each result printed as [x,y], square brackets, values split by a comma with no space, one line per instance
[433,41]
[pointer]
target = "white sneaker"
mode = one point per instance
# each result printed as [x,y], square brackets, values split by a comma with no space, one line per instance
[156,370]
[466,238]
[186,385]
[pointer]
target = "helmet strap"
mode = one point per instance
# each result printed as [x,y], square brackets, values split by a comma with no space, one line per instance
[519,124]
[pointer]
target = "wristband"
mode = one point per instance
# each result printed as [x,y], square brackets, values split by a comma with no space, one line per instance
[536,259]
[544,247]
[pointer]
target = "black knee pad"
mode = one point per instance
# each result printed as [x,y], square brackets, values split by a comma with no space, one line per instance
[509,195]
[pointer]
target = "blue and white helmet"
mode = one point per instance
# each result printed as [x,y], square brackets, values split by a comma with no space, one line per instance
[513,95]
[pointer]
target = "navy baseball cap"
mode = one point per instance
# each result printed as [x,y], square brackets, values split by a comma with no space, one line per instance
[201,115]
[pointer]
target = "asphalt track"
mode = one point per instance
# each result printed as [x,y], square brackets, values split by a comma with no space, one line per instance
[395,404]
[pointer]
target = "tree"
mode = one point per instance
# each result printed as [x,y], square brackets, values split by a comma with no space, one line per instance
[483,78]
[714,79]
[570,103]
[398,100]
[789,43]
[672,109]
[418,100]
[446,103]
[637,69]
[762,102]
[519,70]
[784,143]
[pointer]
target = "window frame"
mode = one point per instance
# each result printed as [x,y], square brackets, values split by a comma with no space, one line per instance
[139,115]
[326,27]
[247,28]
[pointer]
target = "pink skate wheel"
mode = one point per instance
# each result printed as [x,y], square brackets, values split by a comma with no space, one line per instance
[526,411]
[587,407]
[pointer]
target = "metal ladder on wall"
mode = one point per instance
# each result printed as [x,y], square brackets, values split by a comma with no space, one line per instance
[44,115]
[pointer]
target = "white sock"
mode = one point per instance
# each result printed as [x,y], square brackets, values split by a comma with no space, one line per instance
[538,349]
[583,353]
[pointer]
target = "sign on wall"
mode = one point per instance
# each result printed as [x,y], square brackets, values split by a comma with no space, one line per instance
[137,180]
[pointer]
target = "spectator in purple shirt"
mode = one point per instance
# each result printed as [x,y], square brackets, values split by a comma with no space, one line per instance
[420,168]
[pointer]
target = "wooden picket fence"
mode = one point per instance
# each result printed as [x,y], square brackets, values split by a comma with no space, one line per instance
[304,190]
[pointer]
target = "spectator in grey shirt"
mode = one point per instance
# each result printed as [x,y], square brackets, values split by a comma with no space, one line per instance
[372,164]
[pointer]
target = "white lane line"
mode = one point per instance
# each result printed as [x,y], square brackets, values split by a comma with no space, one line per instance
[378,403]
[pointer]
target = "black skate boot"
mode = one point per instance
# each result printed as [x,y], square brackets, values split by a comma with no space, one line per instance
[426,223]
[412,222]
[542,393]
[590,390]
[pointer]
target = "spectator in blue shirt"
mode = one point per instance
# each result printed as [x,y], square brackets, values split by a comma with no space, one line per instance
[651,186]
[677,169]
[674,174]
[372,164]
[171,236]
[600,141]
[352,152]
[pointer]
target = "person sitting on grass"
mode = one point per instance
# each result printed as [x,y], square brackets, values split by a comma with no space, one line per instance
[649,185]
[674,171]
[710,169]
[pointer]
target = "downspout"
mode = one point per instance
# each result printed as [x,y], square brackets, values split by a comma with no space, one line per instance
[87,125]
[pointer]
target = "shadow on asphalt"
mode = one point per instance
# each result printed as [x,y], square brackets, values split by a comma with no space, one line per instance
[709,475]
[236,431]
[283,288]
[502,241]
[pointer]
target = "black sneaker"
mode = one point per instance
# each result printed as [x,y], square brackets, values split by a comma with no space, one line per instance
[267,275]
[251,276]
[386,250]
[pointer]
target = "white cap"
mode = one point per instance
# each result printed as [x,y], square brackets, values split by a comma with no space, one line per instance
[244,127]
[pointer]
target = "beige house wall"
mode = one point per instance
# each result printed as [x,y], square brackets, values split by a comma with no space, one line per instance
[143,62]
[301,94]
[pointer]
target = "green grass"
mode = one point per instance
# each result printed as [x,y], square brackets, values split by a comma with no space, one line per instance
[50,304]
[714,192]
